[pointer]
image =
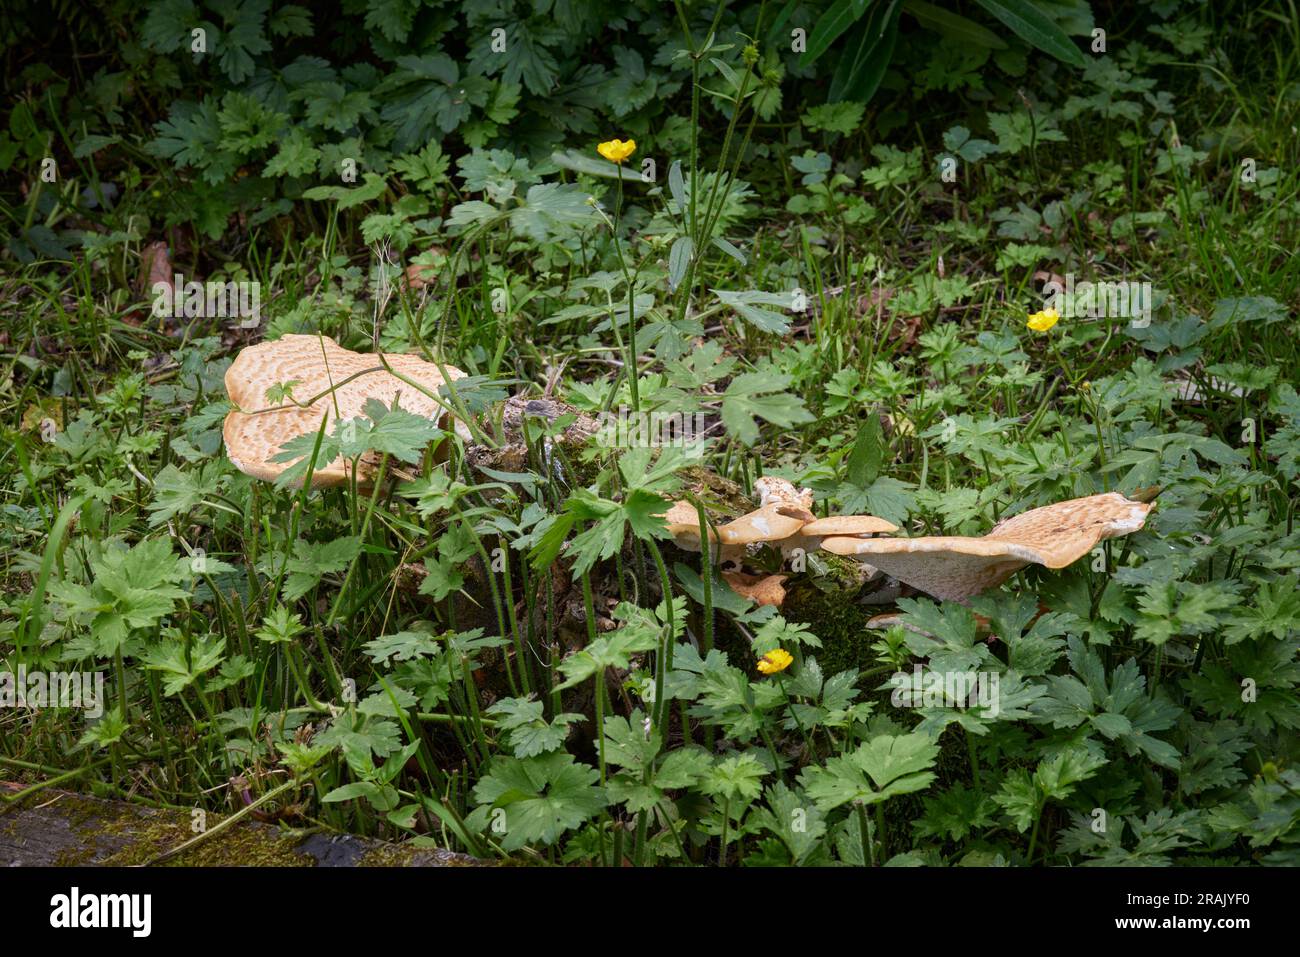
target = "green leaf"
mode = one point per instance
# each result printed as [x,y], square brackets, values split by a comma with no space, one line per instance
[859,75]
[108,730]
[613,650]
[182,666]
[311,562]
[401,434]
[1036,28]
[371,189]
[296,155]
[542,797]
[735,779]
[867,455]
[724,598]
[747,305]
[958,140]
[841,15]
[679,258]
[731,250]
[677,186]
[552,210]
[953,25]
[1263,309]
[749,397]
[1020,797]
[528,732]
[178,492]
[798,823]
[595,166]
[842,117]
[885,766]
[402,646]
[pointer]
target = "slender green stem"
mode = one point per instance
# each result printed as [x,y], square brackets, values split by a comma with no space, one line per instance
[868,844]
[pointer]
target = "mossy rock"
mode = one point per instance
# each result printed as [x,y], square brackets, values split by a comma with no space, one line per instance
[64,829]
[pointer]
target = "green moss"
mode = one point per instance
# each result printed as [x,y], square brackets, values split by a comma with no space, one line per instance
[838,621]
[412,855]
[111,834]
[715,491]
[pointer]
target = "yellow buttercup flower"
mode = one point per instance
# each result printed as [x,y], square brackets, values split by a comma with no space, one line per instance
[1042,321]
[616,151]
[775,661]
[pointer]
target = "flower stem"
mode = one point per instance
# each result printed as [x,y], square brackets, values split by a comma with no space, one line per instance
[630,370]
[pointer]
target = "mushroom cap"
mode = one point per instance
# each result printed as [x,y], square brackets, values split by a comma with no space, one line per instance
[956,568]
[771,523]
[848,525]
[764,589]
[778,491]
[684,525]
[314,363]
[683,518]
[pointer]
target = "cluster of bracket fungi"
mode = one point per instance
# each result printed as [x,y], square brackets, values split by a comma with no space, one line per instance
[335,381]
[952,568]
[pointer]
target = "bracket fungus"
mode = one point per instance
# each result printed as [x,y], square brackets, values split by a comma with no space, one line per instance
[814,533]
[784,519]
[684,526]
[782,493]
[328,382]
[763,589]
[956,568]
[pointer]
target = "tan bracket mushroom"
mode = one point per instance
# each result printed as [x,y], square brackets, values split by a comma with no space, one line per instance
[956,568]
[783,519]
[339,381]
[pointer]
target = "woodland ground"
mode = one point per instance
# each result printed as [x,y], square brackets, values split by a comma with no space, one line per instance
[484,661]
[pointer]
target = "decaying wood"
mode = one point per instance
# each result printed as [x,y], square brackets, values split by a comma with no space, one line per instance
[61,828]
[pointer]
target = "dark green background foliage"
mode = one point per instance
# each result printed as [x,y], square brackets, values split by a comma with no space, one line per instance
[286,93]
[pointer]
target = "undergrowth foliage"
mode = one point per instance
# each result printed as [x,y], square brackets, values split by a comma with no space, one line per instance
[939,263]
